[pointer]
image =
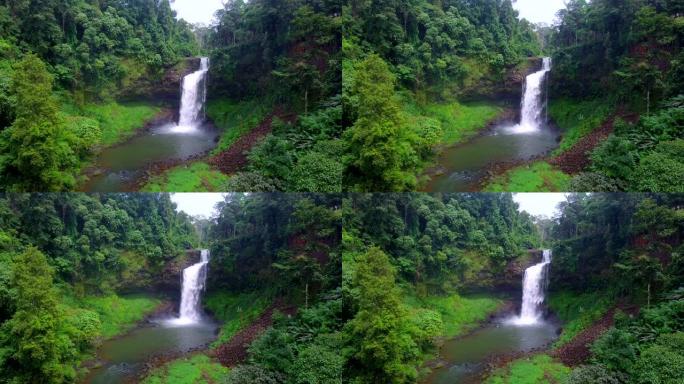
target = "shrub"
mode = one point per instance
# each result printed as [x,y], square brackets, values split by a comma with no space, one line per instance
[317,364]
[662,170]
[595,182]
[273,350]
[659,365]
[594,374]
[252,182]
[317,172]
[615,158]
[616,350]
[429,325]
[250,374]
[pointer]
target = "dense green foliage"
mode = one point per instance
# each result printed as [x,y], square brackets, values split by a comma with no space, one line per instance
[89,45]
[627,53]
[38,150]
[282,247]
[628,242]
[284,241]
[434,51]
[88,53]
[623,248]
[405,257]
[59,253]
[643,349]
[284,57]
[443,241]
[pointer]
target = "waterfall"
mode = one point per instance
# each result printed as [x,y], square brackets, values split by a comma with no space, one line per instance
[535,283]
[194,279]
[532,115]
[193,98]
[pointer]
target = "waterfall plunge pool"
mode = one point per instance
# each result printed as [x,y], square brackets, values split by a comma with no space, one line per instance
[124,164]
[465,166]
[529,330]
[465,358]
[121,167]
[123,358]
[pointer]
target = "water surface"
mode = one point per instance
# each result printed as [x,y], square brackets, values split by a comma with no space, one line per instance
[123,164]
[124,357]
[467,164]
[466,357]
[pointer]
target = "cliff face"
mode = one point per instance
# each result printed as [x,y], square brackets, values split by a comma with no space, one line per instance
[515,271]
[169,280]
[163,87]
[509,88]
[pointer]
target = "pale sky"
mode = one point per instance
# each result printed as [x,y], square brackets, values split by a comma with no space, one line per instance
[196,204]
[538,204]
[197,11]
[539,11]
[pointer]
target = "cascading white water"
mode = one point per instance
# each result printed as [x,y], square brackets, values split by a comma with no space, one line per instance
[535,283]
[533,104]
[194,279]
[193,98]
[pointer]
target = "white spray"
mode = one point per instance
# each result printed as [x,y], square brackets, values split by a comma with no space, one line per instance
[532,115]
[535,282]
[194,281]
[193,98]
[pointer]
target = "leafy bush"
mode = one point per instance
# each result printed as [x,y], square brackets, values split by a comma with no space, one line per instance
[594,374]
[615,350]
[251,374]
[272,158]
[659,365]
[595,182]
[662,170]
[429,325]
[317,172]
[317,364]
[273,350]
[616,158]
[252,182]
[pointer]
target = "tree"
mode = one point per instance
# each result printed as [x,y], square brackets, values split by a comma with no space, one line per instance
[32,348]
[36,150]
[380,335]
[381,156]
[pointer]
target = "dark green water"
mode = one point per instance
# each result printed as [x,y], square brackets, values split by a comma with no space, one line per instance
[467,164]
[466,357]
[123,164]
[124,357]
